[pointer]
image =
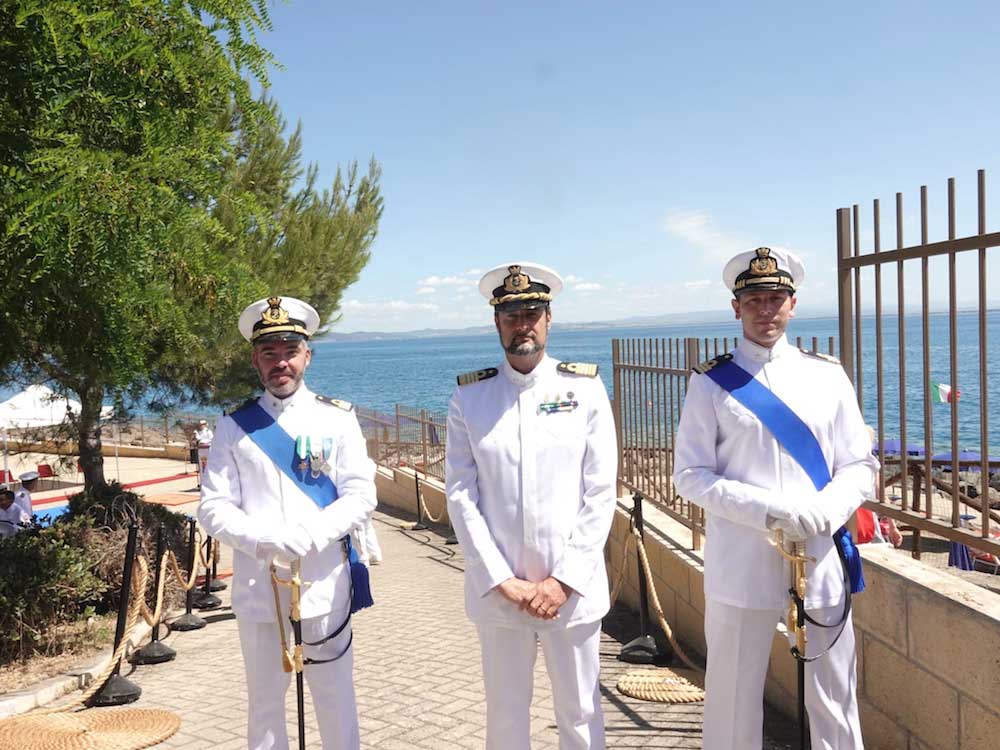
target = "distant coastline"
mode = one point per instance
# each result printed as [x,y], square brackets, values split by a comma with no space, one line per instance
[646,321]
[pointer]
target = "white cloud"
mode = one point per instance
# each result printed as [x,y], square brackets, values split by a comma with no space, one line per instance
[445,281]
[698,229]
[699,284]
[426,290]
[396,305]
[589,286]
[572,279]
[474,272]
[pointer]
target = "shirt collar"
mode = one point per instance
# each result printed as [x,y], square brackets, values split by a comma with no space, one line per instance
[526,380]
[758,353]
[279,405]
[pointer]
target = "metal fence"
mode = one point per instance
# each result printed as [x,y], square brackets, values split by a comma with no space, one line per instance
[650,382]
[406,437]
[934,493]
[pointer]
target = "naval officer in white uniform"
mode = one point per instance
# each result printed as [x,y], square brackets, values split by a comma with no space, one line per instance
[530,478]
[250,504]
[728,462]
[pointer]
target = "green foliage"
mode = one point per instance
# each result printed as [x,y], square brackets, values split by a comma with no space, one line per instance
[48,581]
[301,241]
[146,197]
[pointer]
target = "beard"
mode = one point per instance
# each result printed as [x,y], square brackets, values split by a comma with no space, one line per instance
[524,348]
[283,390]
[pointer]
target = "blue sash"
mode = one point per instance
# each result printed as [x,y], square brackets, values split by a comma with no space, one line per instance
[795,437]
[279,446]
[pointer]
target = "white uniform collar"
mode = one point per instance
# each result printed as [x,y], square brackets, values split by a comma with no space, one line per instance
[302,396]
[757,353]
[526,380]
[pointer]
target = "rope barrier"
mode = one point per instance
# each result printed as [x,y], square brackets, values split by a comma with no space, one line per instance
[139,579]
[153,618]
[423,506]
[655,601]
[186,584]
[617,588]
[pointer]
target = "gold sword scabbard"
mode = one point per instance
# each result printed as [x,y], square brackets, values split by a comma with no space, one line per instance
[795,554]
[292,660]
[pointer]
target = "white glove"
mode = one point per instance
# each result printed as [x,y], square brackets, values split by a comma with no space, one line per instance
[813,518]
[298,540]
[799,519]
[290,543]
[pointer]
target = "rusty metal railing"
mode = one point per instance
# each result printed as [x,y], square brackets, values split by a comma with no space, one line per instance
[406,437]
[933,493]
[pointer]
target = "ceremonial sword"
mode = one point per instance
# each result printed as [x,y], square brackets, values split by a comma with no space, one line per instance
[292,661]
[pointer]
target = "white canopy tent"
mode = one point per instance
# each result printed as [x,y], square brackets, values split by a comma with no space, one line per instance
[37,406]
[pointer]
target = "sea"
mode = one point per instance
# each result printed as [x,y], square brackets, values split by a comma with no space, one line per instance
[420,372]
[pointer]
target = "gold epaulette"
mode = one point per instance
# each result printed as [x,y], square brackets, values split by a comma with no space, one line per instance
[704,367]
[475,376]
[819,355]
[587,369]
[345,405]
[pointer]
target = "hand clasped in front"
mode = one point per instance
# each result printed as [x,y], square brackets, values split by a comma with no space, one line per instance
[542,599]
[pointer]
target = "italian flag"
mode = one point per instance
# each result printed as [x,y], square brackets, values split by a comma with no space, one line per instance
[944,393]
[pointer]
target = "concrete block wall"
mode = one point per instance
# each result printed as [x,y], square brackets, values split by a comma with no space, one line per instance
[928,642]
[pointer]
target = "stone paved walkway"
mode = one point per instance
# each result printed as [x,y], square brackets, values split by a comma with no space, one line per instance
[417,670]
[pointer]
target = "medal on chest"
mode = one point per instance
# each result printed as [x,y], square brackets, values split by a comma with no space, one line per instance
[317,458]
[302,451]
[558,404]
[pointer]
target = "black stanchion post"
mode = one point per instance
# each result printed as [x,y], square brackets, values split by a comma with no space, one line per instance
[189,620]
[206,600]
[419,525]
[156,652]
[216,584]
[119,690]
[643,649]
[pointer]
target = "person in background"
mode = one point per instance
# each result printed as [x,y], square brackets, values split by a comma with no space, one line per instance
[29,483]
[12,516]
[201,442]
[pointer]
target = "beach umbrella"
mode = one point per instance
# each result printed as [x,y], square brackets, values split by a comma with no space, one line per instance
[963,456]
[959,557]
[37,406]
[893,447]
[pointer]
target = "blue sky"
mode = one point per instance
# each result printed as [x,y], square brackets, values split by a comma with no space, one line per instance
[635,146]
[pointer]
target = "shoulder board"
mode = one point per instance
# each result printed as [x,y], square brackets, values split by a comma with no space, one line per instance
[467,378]
[587,369]
[345,405]
[704,367]
[819,355]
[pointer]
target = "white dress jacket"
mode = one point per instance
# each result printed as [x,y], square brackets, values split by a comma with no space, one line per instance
[530,493]
[728,462]
[244,497]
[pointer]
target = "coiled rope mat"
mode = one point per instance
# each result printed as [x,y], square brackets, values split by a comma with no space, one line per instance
[662,685]
[102,729]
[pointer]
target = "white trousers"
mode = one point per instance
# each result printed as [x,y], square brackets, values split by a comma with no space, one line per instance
[739,647]
[572,659]
[330,685]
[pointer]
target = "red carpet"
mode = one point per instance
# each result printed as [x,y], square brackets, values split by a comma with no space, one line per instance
[129,486]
